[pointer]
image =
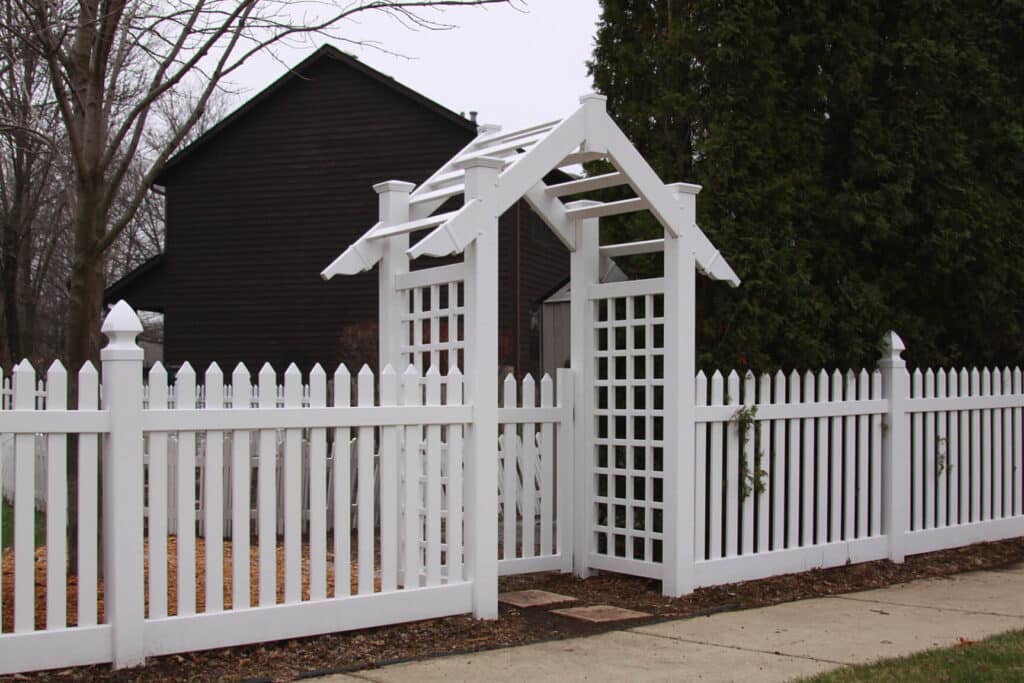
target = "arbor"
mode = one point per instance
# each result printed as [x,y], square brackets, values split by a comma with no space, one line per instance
[110,64]
[861,164]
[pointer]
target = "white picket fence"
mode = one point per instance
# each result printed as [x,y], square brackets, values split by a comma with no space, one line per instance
[809,483]
[341,509]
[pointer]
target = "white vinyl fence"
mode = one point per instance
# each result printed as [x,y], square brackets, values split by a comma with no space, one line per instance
[341,505]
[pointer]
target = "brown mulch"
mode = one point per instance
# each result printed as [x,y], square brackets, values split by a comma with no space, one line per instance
[7,586]
[286,660]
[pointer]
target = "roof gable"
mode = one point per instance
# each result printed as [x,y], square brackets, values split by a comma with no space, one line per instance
[324,53]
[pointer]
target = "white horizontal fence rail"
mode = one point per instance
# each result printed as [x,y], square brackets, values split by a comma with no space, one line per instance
[535,474]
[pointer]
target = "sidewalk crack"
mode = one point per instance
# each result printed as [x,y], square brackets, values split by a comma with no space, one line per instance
[777,653]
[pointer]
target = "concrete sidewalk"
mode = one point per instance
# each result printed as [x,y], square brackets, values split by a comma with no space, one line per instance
[776,643]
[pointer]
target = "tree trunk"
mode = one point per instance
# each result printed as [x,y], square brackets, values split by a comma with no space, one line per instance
[83,333]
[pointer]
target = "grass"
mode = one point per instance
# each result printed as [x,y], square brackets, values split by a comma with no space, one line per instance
[7,526]
[999,658]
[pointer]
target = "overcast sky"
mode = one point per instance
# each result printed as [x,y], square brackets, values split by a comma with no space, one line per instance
[515,68]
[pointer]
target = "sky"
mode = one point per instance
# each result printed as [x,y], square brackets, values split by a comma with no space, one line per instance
[515,65]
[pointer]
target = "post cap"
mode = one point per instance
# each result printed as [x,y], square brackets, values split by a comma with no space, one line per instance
[480,162]
[394,186]
[683,188]
[892,347]
[594,99]
[121,327]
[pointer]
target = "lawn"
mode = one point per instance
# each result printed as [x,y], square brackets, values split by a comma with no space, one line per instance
[7,527]
[999,658]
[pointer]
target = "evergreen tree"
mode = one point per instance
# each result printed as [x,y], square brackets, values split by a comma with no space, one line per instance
[862,164]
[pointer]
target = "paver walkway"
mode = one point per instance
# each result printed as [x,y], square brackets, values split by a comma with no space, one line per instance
[775,643]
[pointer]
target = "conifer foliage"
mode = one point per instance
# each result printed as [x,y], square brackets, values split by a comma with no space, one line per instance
[862,164]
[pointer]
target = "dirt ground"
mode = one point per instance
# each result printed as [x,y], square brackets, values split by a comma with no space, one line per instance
[286,660]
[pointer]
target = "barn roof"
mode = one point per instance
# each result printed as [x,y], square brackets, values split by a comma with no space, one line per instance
[525,157]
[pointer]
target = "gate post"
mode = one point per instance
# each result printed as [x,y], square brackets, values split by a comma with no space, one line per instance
[393,207]
[680,368]
[481,359]
[122,487]
[583,272]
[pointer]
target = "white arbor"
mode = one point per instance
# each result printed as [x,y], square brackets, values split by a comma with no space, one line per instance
[633,356]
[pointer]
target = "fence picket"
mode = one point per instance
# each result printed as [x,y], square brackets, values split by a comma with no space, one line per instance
[213,495]
[342,487]
[779,457]
[927,481]
[1018,446]
[156,485]
[986,448]
[732,469]
[529,471]
[941,452]
[809,443]
[876,458]
[850,462]
[954,468]
[794,457]
[917,455]
[433,484]
[835,466]
[365,486]
[701,430]
[293,466]
[510,457]
[241,471]
[547,474]
[976,460]
[266,493]
[388,463]
[763,471]
[453,527]
[412,528]
[864,489]
[88,501]
[185,399]
[821,465]
[317,489]
[1007,447]
[24,504]
[56,503]
[716,479]
[966,460]
[747,481]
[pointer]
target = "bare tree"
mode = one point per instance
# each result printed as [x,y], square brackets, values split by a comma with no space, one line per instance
[111,62]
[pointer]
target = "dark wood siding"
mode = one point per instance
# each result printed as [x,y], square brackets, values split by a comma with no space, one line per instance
[256,212]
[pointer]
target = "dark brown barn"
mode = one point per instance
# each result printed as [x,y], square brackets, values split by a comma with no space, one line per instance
[258,205]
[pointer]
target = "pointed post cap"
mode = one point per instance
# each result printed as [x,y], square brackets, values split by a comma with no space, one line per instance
[892,349]
[121,327]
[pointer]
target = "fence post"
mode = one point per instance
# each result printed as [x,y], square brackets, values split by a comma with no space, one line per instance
[584,270]
[481,388]
[679,399]
[393,201]
[895,446]
[123,486]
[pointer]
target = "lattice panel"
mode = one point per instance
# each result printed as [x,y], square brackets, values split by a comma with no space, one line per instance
[629,379]
[433,326]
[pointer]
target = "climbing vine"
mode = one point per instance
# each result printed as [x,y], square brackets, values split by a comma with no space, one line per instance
[755,479]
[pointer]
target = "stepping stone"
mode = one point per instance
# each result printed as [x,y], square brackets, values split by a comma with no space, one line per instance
[533,598]
[599,614]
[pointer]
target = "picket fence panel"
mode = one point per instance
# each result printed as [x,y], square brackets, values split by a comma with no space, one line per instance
[286,509]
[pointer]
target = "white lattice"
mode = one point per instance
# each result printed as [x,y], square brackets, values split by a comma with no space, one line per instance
[433,326]
[629,412]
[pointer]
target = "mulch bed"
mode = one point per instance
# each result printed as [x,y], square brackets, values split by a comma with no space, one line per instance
[289,659]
